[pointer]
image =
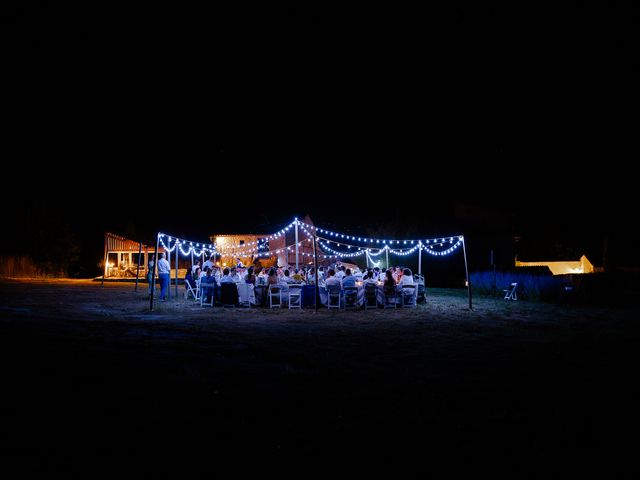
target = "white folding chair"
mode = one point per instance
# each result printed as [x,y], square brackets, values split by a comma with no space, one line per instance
[350,296]
[418,278]
[370,296]
[189,290]
[510,293]
[409,296]
[295,296]
[391,298]
[210,288]
[275,296]
[333,296]
[245,292]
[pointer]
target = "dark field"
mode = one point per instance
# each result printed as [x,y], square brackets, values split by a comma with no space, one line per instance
[93,383]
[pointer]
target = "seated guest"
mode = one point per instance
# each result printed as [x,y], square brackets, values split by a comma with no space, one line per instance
[368,278]
[357,274]
[406,278]
[348,280]
[208,285]
[262,276]
[194,267]
[250,277]
[340,272]
[376,274]
[311,276]
[287,279]
[189,280]
[273,277]
[389,284]
[216,273]
[234,275]
[226,278]
[298,277]
[332,279]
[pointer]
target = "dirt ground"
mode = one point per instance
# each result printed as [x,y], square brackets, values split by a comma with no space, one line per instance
[92,380]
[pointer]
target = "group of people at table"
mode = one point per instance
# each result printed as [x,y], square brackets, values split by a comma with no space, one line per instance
[207,279]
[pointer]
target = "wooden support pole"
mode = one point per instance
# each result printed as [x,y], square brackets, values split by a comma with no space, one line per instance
[153,272]
[138,269]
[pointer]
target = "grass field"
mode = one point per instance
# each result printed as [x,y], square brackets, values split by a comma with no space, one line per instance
[91,377]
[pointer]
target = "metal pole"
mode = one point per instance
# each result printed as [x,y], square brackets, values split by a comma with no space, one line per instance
[104,273]
[387,252]
[177,256]
[420,257]
[466,269]
[296,220]
[169,286]
[138,269]
[315,265]
[153,272]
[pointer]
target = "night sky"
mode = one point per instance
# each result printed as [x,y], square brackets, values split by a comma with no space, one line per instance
[364,120]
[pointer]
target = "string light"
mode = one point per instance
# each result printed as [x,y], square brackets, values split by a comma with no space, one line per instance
[178,243]
[252,248]
[342,254]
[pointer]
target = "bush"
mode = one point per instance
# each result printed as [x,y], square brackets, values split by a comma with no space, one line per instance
[530,286]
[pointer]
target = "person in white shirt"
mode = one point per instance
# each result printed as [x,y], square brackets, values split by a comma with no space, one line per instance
[226,278]
[357,274]
[406,278]
[288,278]
[311,276]
[340,273]
[199,274]
[164,271]
[332,279]
[234,275]
[194,267]
[376,273]
[209,263]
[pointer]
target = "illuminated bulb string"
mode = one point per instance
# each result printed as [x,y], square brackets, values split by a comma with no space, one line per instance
[329,236]
[342,254]
[244,250]
[332,236]
[178,243]
[440,253]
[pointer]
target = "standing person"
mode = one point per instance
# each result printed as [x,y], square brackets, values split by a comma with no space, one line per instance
[150,273]
[209,263]
[164,270]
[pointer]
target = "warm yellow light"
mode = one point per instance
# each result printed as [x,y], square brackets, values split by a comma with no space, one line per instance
[562,267]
